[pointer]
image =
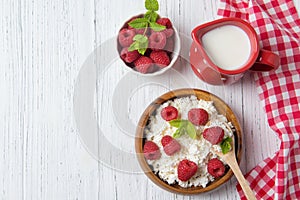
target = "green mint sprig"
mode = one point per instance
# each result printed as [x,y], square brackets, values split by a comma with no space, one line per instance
[149,20]
[183,127]
[226,145]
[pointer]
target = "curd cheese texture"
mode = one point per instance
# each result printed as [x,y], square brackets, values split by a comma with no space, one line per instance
[197,150]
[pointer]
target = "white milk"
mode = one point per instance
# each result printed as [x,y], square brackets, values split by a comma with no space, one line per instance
[227,46]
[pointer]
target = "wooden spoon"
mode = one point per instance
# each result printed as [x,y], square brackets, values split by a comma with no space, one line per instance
[230,159]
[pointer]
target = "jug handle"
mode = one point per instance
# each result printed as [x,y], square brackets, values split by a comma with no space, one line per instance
[266,61]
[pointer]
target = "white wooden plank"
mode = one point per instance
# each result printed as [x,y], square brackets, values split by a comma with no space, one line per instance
[12,106]
[49,45]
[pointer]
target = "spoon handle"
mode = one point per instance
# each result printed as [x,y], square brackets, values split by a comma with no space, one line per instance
[240,177]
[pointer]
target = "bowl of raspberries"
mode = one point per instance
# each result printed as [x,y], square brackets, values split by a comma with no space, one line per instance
[147,43]
[177,137]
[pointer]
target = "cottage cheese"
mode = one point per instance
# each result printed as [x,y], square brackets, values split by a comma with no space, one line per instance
[197,150]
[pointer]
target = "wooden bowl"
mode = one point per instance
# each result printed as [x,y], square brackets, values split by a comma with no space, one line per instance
[221,107]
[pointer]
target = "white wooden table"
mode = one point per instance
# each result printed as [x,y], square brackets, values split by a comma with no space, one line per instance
[43,45]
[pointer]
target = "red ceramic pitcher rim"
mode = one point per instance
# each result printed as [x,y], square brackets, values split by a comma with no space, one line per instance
[226,21]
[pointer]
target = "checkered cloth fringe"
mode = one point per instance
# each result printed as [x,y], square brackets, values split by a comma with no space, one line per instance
[278,26]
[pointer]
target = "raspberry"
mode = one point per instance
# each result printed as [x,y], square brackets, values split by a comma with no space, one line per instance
[157,40]
[160,58]
[171,146]
[166,140]
[141,31]
[126,37]
[169,113]
[215,168]
[198,116]
[144,65]
[129,56]
[151,151]
[168,32]
[170,45]
[214,134]
[186,169]
[165,22]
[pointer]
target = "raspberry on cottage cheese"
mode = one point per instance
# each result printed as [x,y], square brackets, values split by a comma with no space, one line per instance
[197,150]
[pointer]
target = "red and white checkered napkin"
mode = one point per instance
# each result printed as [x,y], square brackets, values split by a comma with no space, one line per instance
[278,26]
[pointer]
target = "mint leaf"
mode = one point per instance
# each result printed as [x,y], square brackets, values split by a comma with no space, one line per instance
[157,27]
[142,51]
[179,132]
[151,16]
[139,23]
[134,46]
[151,5]
[143,45]
[225,145]
[140,38]
[176,122]
[183,126]
[140,43]
[191,131]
